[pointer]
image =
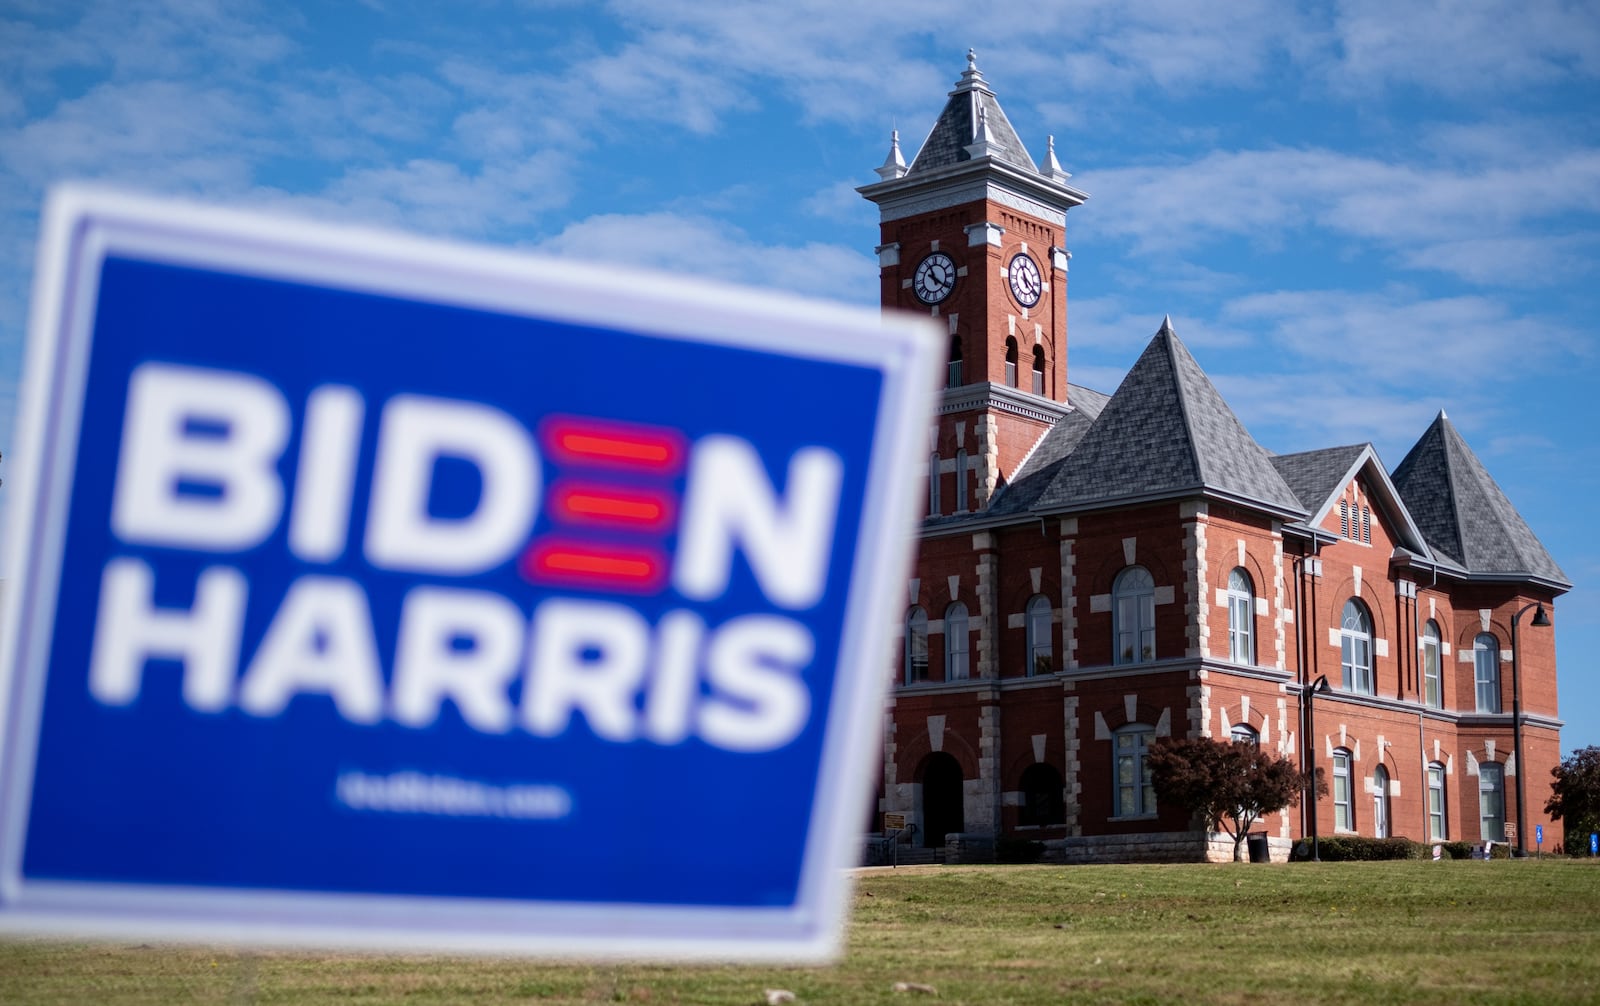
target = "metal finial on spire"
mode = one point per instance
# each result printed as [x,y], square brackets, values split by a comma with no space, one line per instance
[1166,326]
[894,166]
[971,78]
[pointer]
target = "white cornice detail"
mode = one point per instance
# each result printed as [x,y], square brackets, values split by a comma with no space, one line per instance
[1001,398]
[912,204]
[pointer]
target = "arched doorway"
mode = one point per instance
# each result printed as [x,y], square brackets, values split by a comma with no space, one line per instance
[941,799]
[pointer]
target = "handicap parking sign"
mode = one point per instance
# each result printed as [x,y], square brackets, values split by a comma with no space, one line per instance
[380,592]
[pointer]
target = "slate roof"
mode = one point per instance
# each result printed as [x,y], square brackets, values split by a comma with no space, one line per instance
[1314,475]
[957,127]
[1463,514]
[1318,478]
[1165,432]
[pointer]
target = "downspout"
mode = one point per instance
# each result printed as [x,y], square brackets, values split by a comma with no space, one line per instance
[1300,669]
[1311,648]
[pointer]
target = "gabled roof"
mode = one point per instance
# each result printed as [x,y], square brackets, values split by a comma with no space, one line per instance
[1317,478]
[1166,432]
[971,112]
[1463,514]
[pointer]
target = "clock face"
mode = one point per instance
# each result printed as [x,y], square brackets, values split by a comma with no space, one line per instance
[1023,273]
[935,278]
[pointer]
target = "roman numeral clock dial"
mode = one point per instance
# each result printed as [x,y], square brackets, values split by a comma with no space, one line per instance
[1023,273]
[935,278]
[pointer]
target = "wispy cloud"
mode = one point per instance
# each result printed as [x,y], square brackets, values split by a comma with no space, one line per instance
[1434,216]
[658,241]
[1464,48]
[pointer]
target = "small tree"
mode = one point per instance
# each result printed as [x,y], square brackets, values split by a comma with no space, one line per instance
[1575,799]
[1228,785]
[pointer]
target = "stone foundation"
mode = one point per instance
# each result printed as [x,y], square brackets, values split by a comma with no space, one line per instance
[1161,847]
[964,847]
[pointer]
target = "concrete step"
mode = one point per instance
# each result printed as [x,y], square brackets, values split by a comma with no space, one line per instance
[913,855]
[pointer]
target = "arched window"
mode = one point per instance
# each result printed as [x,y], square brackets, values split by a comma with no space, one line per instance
[1355,642]
[1486,672]
[1380,802]
[1437,830]
[1039,643]
[1243,733]
[1344,812]
[1043,802]
[961,481]
[1432,666]
[1135,794]
[1011,362]
[1038,370]
[1492,801]
[955,642]
[933,485]
[953,372]
[916,655]
[1241,618]
[1134,613]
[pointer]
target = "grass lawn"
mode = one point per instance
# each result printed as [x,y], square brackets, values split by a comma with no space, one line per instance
[1451,932]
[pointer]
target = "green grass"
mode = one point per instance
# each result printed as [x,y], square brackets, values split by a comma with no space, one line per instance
[1423,932]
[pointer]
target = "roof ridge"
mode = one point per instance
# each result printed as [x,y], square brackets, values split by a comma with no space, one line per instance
[1447,443]
[1183,395]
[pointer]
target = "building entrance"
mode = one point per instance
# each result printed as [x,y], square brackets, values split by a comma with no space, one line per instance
[941,799]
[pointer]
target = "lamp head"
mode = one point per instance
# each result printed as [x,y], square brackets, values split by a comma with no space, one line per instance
[1321,686]
[1539,617]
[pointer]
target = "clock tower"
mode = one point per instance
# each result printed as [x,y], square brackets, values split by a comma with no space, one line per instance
[974,233]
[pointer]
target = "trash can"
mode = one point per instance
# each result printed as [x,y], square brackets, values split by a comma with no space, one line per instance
[1257,843]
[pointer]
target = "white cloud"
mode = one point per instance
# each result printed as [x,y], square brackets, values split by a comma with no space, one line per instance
[1465,47]
[1423,211]
[436,197]
[1288,413]
[1510,261]
[154,134]
[708,247]
[840,202]
[1395,339]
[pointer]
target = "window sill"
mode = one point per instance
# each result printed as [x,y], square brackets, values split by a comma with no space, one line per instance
[1131,817]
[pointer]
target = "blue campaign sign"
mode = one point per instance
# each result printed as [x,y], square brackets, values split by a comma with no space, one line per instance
[379,592]
[1538,834]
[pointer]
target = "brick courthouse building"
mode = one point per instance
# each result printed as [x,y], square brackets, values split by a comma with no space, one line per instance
[1098,572]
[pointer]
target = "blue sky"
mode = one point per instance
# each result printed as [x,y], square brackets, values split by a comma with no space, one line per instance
[1357,213]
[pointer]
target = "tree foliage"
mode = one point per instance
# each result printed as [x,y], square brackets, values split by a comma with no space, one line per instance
[1575,800]
[1229,785]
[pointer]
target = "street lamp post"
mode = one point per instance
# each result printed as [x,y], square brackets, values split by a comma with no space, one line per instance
[1319,687]
[1542,620]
